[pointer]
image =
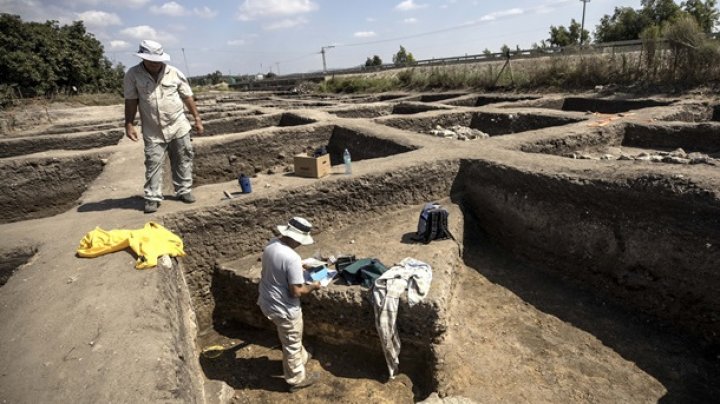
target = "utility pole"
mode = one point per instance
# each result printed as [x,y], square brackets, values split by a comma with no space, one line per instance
[582,25]
[322,51]
[187,69]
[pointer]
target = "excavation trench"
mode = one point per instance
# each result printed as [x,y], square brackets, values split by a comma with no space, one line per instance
[239,124]
[595,105]
[493,124]
[607,235]
[482,100]
[42,187]
[221,160]
[631,141]
[19,146]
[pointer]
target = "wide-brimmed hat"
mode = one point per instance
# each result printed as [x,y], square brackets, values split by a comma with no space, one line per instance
[152,51]
[297,229]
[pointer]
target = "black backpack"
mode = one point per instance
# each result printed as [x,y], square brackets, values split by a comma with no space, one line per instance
[433,224]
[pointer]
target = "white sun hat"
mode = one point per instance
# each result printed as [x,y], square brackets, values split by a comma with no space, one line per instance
[152,51]
[297,229]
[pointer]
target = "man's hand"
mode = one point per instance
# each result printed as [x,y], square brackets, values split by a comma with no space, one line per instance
[199,130]
[131,133]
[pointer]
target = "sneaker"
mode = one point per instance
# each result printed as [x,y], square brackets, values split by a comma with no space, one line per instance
[187,198]
[310,379]
[151,206]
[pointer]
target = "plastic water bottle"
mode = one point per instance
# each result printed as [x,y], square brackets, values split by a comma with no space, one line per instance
[348,162]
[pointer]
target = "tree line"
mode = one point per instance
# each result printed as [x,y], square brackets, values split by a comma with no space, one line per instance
[654,20]
[42,59]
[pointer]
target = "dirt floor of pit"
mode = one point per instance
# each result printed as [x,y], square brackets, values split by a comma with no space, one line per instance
[98,331]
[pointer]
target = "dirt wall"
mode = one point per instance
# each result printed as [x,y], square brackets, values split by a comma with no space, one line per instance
[703,137]
[223,161]
[577,140]
[42,187]
[35,144]
[246,123]
[650,241]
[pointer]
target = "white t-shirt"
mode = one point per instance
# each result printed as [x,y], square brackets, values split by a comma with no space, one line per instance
[281,267]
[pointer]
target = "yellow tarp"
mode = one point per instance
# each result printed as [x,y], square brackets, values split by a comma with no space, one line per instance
[148,243]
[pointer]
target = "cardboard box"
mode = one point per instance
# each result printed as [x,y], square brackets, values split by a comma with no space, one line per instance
[311,167]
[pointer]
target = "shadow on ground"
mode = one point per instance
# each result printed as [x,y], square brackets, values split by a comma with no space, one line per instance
[130,203]
[687,368]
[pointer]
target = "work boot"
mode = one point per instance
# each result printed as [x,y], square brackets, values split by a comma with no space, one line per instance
[310,379]
[151,206]
[187,198]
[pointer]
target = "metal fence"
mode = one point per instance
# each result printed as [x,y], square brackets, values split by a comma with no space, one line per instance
[603,48]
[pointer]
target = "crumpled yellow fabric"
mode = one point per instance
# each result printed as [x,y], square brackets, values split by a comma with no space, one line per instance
[148,243]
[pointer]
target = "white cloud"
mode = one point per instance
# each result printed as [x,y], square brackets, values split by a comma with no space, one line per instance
[498,14]
[236,42]
[408,5]
[133,3]
[172,9]
[253,9]
[410,20]
[370,19]
[285,24]
[94,18]
[205,12]
[141,32]
[118,45]
[364,34]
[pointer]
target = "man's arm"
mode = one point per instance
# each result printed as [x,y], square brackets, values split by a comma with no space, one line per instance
[301,290]
[131,107]
[190,104]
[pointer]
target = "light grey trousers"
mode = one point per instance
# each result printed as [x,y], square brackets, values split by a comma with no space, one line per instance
[290,331]
[181,158]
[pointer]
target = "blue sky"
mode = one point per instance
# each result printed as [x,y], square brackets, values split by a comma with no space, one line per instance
[252,36]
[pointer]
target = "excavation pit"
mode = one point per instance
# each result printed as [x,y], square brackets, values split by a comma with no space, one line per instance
[671,143]
[244,124]
[588,232]
[482,100]
[221,160]
[370,111]
[595,105]
[493,124]
[341,317]
[42,187]
[19,146]
[410,108]
[437,97]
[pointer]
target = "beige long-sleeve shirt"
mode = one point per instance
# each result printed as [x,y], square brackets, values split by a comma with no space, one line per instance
[162,113]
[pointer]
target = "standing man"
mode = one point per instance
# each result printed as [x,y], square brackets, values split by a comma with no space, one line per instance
[160,90]
[282,283]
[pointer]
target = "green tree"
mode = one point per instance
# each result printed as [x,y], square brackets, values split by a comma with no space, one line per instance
[505,50]
[45,58]
[373,61]
[625,24]
[487,52]
[705,12]
[561,36]
[659,12]
[403,58]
